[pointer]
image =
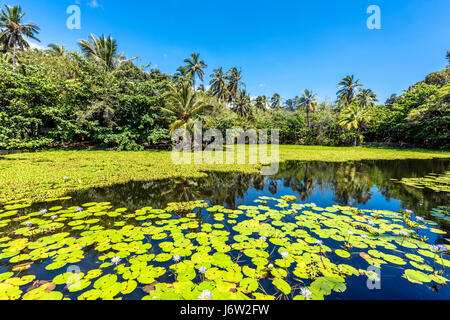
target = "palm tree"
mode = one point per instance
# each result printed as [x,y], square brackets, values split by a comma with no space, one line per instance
[56,49]
[185,104]
[13,30]
[366,98]
[243,105]
[234,77]
[181,76]
[308,100]
[5,57]
[354,117]
[292,104]
[348,89]
[104,51]
[219,84]
[261,103]
[195,67]
[276,101]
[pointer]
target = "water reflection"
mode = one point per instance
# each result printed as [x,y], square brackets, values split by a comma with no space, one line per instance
[350,183]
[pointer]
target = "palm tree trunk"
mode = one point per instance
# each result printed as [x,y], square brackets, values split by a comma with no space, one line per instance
[14,54]
[307,118]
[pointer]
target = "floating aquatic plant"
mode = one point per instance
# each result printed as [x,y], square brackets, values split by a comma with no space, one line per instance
[275,249]
[438,183]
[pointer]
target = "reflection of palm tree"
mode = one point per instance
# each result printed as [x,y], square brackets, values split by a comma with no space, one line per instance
[351,184]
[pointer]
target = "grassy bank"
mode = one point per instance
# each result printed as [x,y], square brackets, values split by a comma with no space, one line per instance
[40,175]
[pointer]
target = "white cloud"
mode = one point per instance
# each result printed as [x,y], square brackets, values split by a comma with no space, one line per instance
[94,4]
[34,45]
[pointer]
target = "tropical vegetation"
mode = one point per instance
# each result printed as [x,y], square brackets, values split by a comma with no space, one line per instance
[98,97]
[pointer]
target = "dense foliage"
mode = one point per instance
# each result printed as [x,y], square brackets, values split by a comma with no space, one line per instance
[53,100]
[99,98]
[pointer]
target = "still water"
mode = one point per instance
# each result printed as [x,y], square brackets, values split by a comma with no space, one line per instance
[365,185]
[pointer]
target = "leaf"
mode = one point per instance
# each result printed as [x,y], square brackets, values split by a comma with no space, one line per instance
[282,285]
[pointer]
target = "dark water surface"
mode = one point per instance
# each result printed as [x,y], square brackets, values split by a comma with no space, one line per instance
[365,184]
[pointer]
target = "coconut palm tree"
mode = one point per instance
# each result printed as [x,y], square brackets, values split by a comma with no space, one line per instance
[354,117]
[261,103]
[308,100]
[181,76]
[235,83]
[185,104]
[276,101]
[195,67]
[348,89]
[219,84]
[56,49]
[243,105]
[104,51]
[13,30]
[366,98]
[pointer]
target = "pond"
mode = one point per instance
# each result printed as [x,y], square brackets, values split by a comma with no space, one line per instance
[314,231]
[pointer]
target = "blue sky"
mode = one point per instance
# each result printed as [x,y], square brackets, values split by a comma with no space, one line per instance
[282,46]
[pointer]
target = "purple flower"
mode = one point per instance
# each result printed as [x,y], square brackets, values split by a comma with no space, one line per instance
[206,295]
[405,233]
[116,260]
[176,258]
[439,248]
[306,293]
[203,270]
[43,211]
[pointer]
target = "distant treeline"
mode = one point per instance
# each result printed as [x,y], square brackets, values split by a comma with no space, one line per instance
[96,97]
